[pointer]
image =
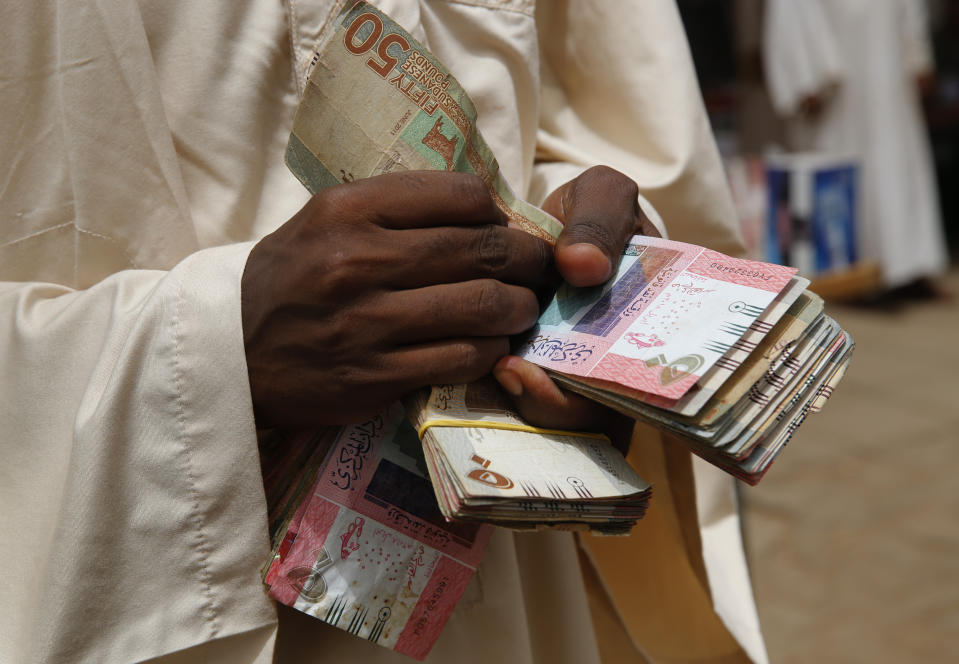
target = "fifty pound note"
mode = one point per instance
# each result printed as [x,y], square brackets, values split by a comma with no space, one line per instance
[670,312]
[378,102]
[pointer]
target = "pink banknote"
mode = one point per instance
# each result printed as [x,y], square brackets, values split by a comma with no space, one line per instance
[670,312]
[368,550]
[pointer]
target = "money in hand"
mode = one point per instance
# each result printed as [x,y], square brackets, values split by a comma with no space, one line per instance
[488,465]
[730,355]
[378,534]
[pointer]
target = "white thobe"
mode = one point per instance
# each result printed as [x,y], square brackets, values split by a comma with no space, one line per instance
[863,57]
[142,150]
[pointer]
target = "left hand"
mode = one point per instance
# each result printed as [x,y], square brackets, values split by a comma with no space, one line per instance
[600,212]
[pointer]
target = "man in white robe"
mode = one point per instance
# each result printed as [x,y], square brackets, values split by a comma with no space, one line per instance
[846,72]
[142,153]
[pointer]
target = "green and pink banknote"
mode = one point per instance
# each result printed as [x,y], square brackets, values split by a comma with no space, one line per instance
[367,550]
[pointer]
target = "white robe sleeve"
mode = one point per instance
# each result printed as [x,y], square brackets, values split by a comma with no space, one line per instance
[800,55]
[130,484]
[631,101]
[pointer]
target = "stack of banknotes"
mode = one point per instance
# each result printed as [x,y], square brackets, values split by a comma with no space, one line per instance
[378,527]
[730,355]
[488,465]
[358,539]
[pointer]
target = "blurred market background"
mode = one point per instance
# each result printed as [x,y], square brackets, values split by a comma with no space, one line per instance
[852,538]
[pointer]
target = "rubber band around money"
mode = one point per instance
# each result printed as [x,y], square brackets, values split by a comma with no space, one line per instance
[506,426]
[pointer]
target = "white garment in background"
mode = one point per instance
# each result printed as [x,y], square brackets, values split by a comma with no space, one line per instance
[862,57]
[141,154]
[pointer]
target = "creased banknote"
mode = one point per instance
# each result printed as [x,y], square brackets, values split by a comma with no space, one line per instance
[816,389]
[771,394]
[368,550]
[378,102]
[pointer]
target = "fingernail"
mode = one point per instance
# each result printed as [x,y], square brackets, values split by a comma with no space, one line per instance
[510,381]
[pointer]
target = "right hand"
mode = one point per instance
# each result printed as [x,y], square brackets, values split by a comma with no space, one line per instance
[599,211]
[381,286]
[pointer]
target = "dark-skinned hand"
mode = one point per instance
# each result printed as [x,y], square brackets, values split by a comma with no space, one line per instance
[381,286]
[600,212]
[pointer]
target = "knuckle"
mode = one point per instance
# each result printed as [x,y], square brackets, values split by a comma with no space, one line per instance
[601,172]
[490,300]
[545,256]
[328,203]
[492,251]
[535,253]
[348,204]
[350,262]
[350,378]
[630,191]
[612,181]
[435,245]
[477,358]
[469,356]
[472,190]
[336,269]
[592,231]
[335,338]
[345,273]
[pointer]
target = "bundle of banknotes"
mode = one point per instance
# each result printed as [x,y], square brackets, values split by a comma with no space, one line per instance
[488,465]
[358,539]
[730,355]
[378,527]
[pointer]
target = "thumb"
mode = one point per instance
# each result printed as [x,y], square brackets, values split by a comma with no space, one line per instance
[600,212]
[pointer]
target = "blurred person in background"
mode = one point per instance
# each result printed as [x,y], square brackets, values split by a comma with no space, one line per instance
[849,75]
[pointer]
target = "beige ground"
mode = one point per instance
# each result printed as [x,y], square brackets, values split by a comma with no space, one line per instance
[853,536]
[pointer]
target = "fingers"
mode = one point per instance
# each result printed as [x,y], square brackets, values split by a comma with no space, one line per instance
[600,212]
[418,199]
[479,308]
[443,362]
[542,403]
[451,254]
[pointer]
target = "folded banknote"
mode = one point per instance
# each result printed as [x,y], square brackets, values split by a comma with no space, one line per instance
[367,549]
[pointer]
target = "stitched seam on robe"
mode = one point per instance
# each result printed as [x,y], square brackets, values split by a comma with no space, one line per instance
[201,545]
